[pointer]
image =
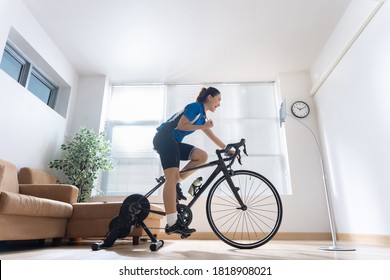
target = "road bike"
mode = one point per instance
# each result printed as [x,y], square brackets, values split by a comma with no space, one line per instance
[243,208]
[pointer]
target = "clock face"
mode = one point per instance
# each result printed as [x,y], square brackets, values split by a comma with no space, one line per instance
[300,109]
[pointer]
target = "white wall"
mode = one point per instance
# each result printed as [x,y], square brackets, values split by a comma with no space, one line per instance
[31,132]
[353,109]
[353,22]
[90,103]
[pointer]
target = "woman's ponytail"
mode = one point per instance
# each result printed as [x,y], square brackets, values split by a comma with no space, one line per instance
[206,92]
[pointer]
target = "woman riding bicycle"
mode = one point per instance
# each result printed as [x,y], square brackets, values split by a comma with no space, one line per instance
[168,143]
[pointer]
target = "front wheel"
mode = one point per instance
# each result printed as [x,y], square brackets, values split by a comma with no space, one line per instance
[249,225]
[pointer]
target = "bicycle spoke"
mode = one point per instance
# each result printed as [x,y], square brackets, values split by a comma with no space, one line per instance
[253,198]
[253,228]
[260,220]
[228,194]
[253,181]
[233,222]
[229,198]
[229,214]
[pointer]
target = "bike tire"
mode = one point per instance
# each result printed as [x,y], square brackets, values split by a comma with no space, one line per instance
[255,224]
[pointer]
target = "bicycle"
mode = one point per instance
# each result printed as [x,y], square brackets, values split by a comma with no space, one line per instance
[243,208]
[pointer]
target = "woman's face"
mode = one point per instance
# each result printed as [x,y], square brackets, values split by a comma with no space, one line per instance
[213,102]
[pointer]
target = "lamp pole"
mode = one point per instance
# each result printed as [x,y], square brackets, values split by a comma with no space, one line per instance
[335,246]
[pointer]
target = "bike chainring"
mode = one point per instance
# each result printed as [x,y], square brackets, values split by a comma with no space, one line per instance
[185,213]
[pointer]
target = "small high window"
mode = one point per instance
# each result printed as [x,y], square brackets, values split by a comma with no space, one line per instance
[17,66]
[42,88]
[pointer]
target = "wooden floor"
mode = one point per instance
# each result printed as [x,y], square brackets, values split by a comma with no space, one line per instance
[204,259]
[194,250]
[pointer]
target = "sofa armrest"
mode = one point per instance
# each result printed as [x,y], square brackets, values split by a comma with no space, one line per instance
[59,192]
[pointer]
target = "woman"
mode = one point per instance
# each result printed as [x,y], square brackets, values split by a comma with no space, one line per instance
[168,143]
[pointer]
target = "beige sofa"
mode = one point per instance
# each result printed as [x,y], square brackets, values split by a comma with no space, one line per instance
[91,219]
[33,211]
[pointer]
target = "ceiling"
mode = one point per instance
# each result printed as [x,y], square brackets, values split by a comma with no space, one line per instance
[188,41]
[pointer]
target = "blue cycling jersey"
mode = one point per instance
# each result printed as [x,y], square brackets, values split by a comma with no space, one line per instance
[193,111]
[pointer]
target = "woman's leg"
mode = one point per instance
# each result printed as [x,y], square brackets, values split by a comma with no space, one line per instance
[169,192]
[169,196]
[198,157]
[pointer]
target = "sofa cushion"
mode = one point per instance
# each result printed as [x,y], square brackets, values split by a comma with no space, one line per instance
[28,175]
[25,205]
[10,177]
[60,192]
[100,210]
[94,210]
[2,167]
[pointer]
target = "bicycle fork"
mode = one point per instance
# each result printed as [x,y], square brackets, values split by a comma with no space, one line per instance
[234,189]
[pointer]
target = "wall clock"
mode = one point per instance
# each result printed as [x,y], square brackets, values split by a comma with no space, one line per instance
[300,109]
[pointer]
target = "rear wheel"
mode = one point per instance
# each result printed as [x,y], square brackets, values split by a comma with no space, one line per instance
[248,226]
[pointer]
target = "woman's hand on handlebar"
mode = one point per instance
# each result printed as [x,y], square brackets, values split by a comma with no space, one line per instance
[234,148]
[232,151]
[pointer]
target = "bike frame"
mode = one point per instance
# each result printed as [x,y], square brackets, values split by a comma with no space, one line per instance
[221,167]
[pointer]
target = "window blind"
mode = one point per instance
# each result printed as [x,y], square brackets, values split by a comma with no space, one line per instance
[247,111]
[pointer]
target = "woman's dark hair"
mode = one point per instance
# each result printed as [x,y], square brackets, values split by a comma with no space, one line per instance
[206,92]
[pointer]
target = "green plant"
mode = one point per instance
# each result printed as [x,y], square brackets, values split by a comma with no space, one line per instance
[85,156]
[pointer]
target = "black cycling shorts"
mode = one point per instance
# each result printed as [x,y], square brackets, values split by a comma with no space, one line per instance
[170,150]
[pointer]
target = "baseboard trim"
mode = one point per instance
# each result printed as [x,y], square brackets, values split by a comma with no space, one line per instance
[278,236]
[307,236]
[372,239]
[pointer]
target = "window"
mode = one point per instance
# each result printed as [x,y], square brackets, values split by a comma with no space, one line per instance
[14,64]
[42,88]
[247,111]
[22,71]
[133,115]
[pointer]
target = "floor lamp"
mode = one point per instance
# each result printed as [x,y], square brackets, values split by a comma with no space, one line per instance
[335,247]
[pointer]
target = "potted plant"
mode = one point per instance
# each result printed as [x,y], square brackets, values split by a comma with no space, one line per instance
[87,154]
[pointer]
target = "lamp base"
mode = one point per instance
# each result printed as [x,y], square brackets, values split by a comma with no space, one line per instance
[336,248]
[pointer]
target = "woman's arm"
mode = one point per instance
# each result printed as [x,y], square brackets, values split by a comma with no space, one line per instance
[214,138]
[185,124]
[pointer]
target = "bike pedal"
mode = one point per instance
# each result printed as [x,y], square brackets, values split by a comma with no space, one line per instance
[183,236]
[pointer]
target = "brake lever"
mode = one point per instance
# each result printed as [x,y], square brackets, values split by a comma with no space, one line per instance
[245,150]
[239,157]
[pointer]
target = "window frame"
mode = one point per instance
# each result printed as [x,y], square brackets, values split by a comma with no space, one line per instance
[28,70]
[24,73]
[51,100]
